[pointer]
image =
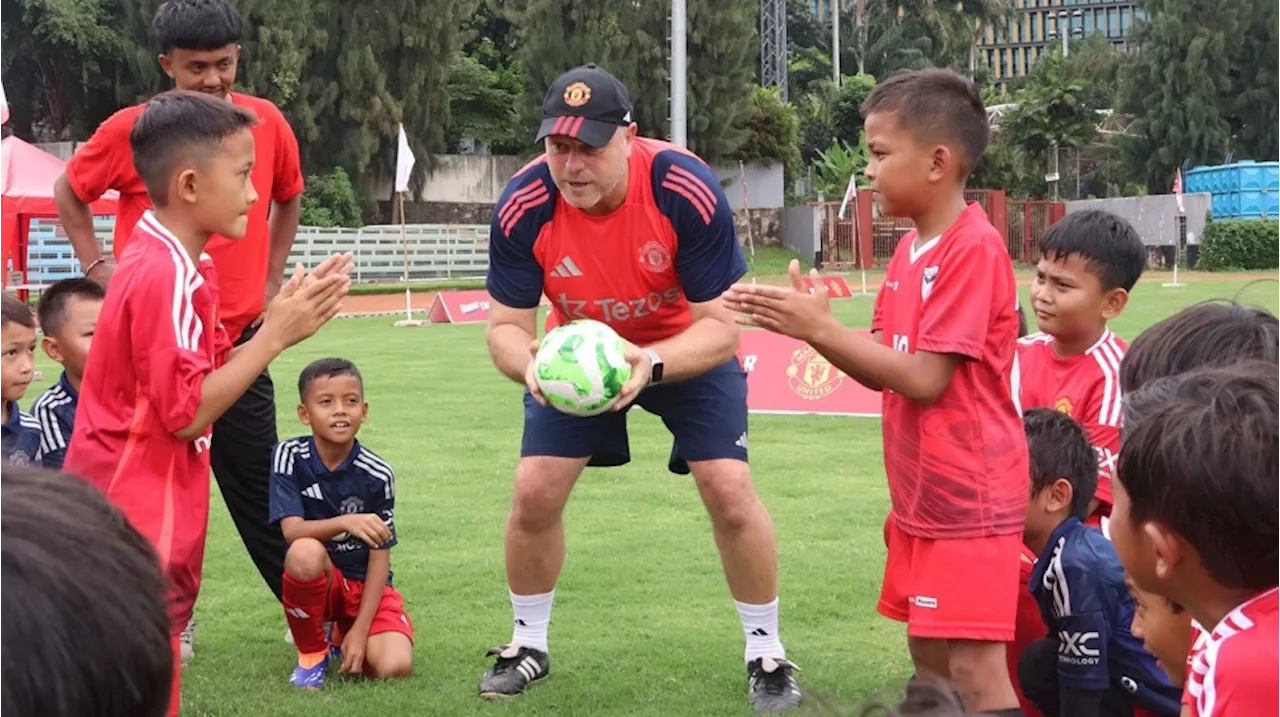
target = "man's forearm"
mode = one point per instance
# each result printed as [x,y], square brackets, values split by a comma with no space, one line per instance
[77,221]
[509,349]
[283,229]
[706,344]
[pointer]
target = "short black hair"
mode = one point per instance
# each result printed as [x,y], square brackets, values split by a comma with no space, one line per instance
[14,311]
[196,25]
[1202,462]
[1211,333]
[1059,448]
[85,625]
[326,368]
[937,106]
[1109,245]
[180,125]
[52,308]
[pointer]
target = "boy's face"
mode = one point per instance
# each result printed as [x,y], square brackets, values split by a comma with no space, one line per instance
[903,172]
[335,408]
[1165,631]
[1068,299]
[220,190]
[69,346]
[1149,552]
[209,71]
[19,359]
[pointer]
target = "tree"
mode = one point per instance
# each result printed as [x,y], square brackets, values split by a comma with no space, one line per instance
[1177,87]
[482,106]
[1253,107]
[846,114]
[771,130]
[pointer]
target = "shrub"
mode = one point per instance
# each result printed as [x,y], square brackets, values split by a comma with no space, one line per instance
[1248,244]
[330,201]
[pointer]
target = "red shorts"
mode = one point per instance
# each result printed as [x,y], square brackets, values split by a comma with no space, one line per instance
[961,589]
[1029,628]
[343,606]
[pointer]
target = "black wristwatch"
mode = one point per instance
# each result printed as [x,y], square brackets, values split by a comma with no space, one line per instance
[655,362]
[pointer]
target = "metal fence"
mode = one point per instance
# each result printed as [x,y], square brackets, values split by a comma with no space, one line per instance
[433,251]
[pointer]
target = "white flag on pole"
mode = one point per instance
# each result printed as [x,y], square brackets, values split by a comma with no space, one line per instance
[4,105]
[404,162]
[850,194]
[1177,189]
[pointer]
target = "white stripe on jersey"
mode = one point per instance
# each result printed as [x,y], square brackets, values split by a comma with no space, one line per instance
[1202,677]
[286,452]
[187,326]
[26,420]
[51,437]
[1107,353]
[369,462]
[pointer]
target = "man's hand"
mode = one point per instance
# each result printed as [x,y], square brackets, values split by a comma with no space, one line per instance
[531,374]
[353,646]
[368,527]
[101,270]
[794,311]
[641,372]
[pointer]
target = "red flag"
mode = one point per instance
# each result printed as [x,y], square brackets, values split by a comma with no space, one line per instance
[4,106]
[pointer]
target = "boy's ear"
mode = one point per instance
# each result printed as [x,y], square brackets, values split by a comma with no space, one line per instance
[1061,495]
[303,415]
[166,64]
[942,161]
[50,346]
[1113,302]
[184,186]
[1168,547]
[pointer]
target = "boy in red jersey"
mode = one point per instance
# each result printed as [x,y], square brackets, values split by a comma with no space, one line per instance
[946,321]
[1196,521]
[161,369]
[1089,263]
[199,42]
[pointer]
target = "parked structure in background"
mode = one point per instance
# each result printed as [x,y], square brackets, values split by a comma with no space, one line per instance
[1036,25]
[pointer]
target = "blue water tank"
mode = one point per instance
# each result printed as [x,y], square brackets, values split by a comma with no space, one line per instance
[1244,190]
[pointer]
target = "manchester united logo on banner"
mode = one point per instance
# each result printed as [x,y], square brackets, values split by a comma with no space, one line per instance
[811,376]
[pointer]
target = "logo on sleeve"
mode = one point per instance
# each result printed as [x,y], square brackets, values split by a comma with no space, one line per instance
[926,286]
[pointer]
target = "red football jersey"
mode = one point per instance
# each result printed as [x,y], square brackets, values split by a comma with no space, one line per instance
[1085,387]
[106,162]
[637,268]
[957,467]
[1236,670]
[157,338]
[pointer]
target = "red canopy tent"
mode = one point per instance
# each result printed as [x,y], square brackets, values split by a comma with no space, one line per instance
[28,174]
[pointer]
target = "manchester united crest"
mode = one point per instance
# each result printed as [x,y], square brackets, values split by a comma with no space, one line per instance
[655,257]
[1063,405]
[577,94]
[811,376]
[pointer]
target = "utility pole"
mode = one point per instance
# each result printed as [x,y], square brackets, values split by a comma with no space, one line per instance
[679,68]
[835,42]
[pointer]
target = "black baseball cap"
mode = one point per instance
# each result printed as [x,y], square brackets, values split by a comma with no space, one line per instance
[585,103]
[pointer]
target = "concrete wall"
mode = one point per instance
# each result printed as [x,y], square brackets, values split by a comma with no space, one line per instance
[802,230]
[1154,217]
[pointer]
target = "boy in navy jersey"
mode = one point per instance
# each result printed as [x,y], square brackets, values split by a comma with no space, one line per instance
[68,314]
[21,438]
[335,502]
[1090,664]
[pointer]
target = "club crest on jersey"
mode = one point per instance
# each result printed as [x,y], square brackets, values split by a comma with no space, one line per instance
[1063,405]
[655,257]
[19,458]
[811,376]
[926,286]
[352,505]
[577,94]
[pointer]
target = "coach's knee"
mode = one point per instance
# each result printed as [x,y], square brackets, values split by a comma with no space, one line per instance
[727,491]
[306,559]
[541,489]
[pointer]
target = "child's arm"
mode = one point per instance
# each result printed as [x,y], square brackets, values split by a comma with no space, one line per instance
[375,582]
[793,311]
[365,526]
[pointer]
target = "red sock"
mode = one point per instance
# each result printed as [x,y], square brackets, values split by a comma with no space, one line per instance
[304,604]
[175,689]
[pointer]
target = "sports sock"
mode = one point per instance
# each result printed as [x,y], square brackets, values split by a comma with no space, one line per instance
[304,603]
[760,624]
[532,616]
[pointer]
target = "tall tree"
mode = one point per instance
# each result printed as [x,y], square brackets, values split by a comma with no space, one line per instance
[1179,84]
[1255,103]
[723,44]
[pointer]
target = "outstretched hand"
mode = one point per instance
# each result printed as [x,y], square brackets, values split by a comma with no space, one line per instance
[796,311]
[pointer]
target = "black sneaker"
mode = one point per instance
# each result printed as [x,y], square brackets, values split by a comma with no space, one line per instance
[771,686]
[516,668]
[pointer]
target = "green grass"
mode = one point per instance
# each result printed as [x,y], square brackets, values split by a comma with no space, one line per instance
[643,622]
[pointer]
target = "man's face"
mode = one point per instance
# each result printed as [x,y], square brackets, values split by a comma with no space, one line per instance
[210,71]
[586,175]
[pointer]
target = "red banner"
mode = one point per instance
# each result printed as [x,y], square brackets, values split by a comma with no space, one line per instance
[787,376]
[837,287]
[460,307]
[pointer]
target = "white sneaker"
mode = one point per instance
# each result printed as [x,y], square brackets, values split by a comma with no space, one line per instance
[186,640]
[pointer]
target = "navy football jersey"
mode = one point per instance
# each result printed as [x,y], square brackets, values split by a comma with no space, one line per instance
[1079,585]
[302,486]
[55,411]
[19,436]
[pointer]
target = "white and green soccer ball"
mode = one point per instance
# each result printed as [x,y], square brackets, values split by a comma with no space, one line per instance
[581,368]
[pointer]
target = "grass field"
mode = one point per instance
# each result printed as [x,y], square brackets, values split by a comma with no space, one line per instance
[643,622]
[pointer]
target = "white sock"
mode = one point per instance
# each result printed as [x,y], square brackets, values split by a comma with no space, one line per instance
[760,624]
[532,616]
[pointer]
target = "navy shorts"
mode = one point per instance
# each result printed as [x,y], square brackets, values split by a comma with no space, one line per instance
[707,417]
